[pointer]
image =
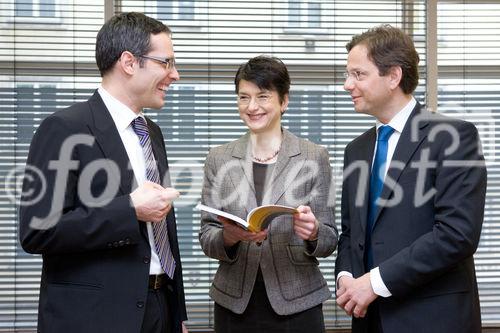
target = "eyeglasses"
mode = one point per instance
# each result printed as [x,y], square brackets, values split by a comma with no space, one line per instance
[168,62]
[358,75]
[261,100]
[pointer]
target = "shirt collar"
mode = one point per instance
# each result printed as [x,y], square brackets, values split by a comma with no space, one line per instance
[399,120]
[122,115]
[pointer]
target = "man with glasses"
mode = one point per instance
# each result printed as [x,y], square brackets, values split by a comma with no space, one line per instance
[104,222]
[412,201]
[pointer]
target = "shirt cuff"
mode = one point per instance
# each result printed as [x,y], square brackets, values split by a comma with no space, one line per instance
[378,284]
[341,274]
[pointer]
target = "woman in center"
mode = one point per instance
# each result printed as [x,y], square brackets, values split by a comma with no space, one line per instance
[268,281]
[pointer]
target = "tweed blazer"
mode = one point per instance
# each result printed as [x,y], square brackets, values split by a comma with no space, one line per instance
[301,176]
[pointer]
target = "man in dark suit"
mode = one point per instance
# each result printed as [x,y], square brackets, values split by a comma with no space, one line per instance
[99,212]
[412,201]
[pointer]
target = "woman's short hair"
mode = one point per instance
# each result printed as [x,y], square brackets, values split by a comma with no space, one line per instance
[266,73]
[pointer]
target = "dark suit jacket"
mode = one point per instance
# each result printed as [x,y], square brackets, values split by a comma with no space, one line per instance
[423,246]
[95,257]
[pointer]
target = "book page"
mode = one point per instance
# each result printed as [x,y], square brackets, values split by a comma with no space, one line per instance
[263,214]
[227,215]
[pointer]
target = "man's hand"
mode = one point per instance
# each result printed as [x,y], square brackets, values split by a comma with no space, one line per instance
[233,234]
[354,295]
[152,202]
[305,224]
[184,328]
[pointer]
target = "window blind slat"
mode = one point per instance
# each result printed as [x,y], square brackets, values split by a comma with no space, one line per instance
[469,85]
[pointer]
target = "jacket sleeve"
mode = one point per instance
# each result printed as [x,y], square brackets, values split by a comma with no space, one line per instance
[54,218]
[323,206]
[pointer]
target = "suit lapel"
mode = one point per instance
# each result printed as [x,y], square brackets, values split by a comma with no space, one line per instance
[109,141]
[413,134]
[242,153]
[162,164]
[286,169]
[364,154]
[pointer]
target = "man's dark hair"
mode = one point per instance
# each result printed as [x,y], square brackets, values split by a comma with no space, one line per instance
[125,32]
[388,47]
[266,73]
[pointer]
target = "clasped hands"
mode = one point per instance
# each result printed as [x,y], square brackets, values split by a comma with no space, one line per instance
[354,295]
[152,202]
[305,226]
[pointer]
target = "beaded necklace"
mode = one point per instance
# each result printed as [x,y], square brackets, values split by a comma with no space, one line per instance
[266,159]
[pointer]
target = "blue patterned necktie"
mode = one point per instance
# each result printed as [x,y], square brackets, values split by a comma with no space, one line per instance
[160,232]
[376,185]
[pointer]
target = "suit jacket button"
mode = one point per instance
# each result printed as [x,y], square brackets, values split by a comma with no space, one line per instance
[121,243]
[140,304]
[146,260]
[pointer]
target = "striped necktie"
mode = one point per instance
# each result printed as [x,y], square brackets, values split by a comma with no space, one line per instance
[160,232]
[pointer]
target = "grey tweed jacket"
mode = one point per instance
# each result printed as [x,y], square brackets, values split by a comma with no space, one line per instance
[301,176]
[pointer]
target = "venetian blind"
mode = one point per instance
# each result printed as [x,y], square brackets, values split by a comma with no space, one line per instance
[46,63]
[469,88]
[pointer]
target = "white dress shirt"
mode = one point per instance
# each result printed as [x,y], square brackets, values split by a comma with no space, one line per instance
[123,117]
[398,123]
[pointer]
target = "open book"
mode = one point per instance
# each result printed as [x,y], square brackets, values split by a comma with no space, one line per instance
[257,219]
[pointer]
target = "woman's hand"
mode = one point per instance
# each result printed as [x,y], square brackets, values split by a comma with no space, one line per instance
[305,224]
[233,234]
